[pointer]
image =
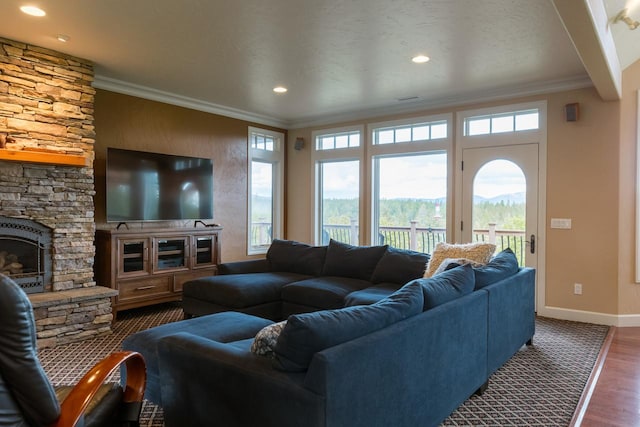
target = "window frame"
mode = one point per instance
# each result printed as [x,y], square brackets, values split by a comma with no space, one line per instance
[276,158]
[402,149]
[320,156]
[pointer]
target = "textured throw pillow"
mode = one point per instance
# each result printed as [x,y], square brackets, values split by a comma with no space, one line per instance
[500,267]
[447,286]
[399,266]
[478,252]
[356,262]
[296,257]
[265,340]
[306,334]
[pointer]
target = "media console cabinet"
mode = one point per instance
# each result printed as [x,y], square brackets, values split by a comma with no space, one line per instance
[149,266]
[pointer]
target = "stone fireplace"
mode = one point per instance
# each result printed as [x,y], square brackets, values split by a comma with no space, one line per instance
[47,187]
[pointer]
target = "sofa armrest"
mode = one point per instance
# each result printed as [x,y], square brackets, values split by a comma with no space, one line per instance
[241,267]
[205,380]
[512,317]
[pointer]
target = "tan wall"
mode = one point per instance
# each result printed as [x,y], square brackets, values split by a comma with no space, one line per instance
[582,182]
[628,290]
[128,122]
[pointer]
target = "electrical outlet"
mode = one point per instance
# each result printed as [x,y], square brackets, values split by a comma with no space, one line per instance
[577,288]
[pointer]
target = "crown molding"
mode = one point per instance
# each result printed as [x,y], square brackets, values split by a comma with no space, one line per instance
[503,93]
[126,88]
[541,88]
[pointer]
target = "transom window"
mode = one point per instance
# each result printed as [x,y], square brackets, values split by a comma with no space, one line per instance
[261,141]
[515,121]
[410,133]
[334,141]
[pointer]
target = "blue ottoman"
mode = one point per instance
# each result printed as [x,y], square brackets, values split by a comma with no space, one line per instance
[222,327]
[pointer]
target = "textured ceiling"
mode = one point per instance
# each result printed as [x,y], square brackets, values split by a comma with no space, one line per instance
[338,58]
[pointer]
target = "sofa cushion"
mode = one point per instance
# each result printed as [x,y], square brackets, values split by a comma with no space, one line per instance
[399,266]
[478,252]
[265,340]
[322,292]
[449,263]
[447,286]
[296,257]
[500,267]
[240,290]
[357,262]
[371,295]
[306,334]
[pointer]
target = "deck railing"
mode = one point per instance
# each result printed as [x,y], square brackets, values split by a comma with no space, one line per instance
[421,239]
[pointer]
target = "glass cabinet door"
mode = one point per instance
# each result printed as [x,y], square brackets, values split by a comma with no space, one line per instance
[135,257]
[171,253]
[205,247]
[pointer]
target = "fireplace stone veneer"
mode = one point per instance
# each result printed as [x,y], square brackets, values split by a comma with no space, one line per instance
[47,104]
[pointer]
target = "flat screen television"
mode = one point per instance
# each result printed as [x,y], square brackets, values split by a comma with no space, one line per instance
[144,186]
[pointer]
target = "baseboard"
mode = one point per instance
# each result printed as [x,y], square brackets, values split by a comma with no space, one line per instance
[620,320]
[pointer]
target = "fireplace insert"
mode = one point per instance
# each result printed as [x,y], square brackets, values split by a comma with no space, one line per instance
[25,253]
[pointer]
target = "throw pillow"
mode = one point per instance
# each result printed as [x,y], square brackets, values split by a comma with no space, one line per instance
[447,286]
[478,252]
[265,340]
[356,262]
[399,266]
[500,267]
[296,257]
[306,334]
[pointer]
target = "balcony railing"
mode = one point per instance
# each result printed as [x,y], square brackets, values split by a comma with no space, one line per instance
[415,238]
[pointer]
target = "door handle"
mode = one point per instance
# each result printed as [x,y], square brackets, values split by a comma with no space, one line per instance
[532,243]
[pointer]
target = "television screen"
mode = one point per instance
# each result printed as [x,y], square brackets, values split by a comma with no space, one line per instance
[144,186]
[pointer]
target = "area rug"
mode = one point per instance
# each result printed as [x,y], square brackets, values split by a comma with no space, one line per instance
[540,386]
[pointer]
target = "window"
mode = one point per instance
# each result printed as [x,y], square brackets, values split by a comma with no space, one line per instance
[500,123]
[410,182]
[410,133]
[410,203]
[265,189]
[338,140]
[337,159]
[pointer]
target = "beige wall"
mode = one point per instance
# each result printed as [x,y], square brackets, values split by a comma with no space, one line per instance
[128,122]
[582,180]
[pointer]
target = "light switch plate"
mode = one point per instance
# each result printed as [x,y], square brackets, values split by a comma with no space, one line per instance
[562,223]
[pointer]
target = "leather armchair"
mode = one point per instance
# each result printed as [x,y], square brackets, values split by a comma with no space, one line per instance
[27,398]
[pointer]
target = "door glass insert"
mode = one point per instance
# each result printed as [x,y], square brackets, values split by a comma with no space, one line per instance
[499,206]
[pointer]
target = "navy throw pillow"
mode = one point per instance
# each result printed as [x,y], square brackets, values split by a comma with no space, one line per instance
[356,262]
[447,286]
[296,257]
[306,334]
[501,266]
[400,266]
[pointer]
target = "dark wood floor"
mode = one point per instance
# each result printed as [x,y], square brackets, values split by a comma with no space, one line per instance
[612,395]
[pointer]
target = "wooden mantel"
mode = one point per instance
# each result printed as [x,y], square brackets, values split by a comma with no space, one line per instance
[45,157]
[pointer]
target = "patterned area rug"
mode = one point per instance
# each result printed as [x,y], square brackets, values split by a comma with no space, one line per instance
[540,386]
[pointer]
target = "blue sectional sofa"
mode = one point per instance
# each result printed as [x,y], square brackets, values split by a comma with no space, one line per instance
[397,354]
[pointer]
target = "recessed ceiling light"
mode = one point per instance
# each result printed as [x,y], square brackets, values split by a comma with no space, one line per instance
[33,10]
[63,38]
[420,59]
[279,89]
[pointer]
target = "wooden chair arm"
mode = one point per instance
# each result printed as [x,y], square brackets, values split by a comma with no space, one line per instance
[79,397]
